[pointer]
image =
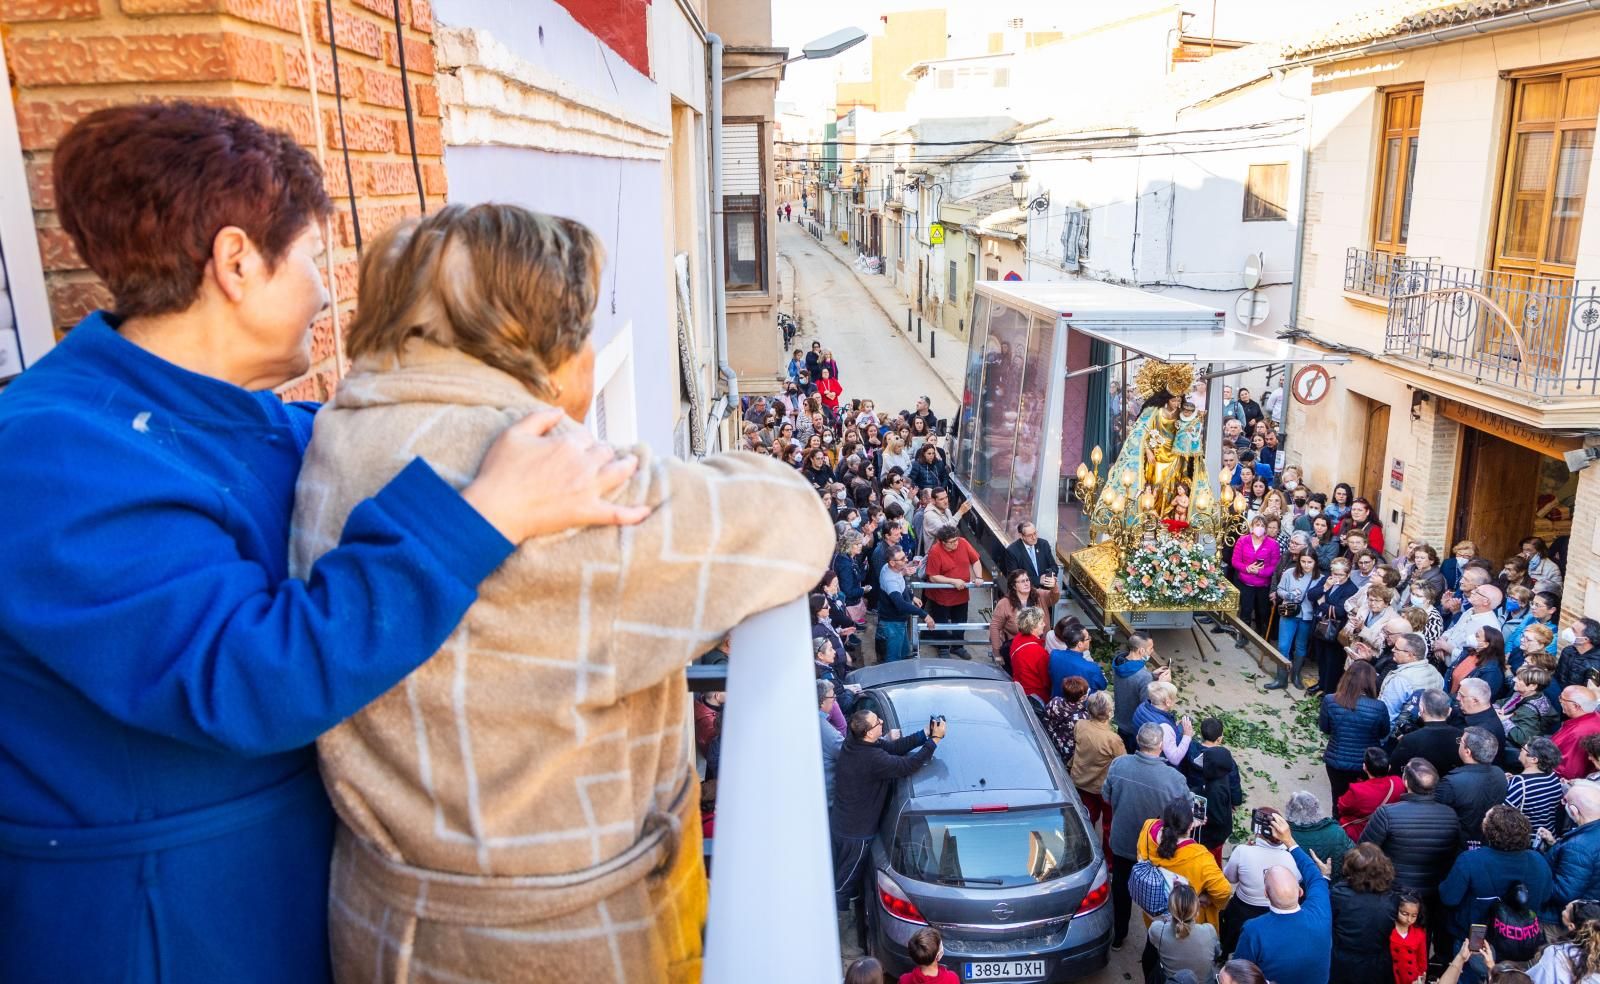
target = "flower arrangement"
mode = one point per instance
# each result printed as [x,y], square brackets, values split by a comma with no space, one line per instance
[1168,570]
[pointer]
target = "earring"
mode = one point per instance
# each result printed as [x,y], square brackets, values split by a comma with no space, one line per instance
[557,388]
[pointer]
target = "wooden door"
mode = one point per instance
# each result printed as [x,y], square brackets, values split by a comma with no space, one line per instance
[1499,485]
[1375,456]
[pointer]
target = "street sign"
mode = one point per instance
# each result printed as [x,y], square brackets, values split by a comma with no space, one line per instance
[1310,384]
[1251,308]
[936,233]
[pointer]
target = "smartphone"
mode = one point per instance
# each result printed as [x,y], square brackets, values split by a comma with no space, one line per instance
[1476,935]
[1201,808]
[1261,825]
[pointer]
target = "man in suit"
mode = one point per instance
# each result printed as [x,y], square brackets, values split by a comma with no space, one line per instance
[1031,552]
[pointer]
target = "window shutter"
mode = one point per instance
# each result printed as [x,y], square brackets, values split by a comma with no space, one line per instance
[1075,238]
[741,159]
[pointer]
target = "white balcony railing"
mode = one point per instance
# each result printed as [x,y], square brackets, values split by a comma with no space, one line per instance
[771,864]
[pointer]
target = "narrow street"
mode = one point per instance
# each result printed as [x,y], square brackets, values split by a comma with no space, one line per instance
[876,361]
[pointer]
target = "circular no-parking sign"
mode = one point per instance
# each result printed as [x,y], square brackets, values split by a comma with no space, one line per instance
[1310,384]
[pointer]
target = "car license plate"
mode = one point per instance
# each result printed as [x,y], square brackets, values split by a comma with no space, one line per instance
[1003,970]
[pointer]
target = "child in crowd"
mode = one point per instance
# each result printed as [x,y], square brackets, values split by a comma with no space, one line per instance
[926,948]
[1408,943]
[1214,774]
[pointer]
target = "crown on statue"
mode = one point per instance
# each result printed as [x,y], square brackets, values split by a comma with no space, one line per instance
[1154,377]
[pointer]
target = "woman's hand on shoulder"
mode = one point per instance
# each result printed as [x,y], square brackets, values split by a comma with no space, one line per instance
[533,482]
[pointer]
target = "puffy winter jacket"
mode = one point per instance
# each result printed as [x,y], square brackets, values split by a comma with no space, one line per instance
[1361,925]
[1420,835]
[1575,866]
[1574,667]
[1351,733]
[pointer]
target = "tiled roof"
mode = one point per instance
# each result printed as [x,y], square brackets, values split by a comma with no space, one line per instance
[1394,18]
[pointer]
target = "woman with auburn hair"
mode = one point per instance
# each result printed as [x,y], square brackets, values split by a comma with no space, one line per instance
[1363,915]
[528,791]
[164,675]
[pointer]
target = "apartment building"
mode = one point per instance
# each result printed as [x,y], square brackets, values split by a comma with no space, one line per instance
[1447,251]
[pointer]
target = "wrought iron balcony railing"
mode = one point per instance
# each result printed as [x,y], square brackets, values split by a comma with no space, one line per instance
[1371,273]
[1538,335]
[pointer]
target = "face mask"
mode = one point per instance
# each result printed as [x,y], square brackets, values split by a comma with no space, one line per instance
[1512,605]
[1291,485]
[1568,637]
[1313,510]
[856,522]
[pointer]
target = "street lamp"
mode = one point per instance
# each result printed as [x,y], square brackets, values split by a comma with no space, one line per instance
[1019,191]
[824,47]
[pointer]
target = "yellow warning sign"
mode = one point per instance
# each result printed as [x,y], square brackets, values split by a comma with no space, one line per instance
[936,233]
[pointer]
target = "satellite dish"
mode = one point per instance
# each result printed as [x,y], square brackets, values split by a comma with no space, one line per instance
[1252,270]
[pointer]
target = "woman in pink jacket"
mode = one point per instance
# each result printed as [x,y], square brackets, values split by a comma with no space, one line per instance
[1255,558]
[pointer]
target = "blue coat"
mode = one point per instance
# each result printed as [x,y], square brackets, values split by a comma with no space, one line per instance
[1069,662]
[849,571]
[162,681]
[1351,733]
[1480,877]
[1295,946]
[1574,866]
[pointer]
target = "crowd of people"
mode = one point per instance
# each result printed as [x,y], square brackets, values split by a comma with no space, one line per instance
[1463,750]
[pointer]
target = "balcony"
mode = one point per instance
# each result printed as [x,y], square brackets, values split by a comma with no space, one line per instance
[1537,335]
[1370,273]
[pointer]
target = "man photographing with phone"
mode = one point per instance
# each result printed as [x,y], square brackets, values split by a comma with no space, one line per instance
[867,765]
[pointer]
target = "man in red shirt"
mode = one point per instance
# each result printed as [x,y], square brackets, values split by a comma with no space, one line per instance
[952,561]
[1578,704]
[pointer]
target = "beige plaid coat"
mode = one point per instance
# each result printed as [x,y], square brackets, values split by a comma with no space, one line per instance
[523,806]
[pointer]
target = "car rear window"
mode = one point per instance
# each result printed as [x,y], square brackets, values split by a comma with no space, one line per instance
[991,849]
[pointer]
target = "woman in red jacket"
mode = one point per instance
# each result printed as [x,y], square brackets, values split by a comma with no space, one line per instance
[1360,518]
[829,389]
[1030,661]
[1363,798]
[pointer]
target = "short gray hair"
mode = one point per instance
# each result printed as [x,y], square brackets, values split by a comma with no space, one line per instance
[1149,738]
[1100,705]
[1434,703]
[1581,696]
[1303,808]
[824,691]
[1475,687]
[819,644]
[1482,743]
[1161,691]
[1301,537]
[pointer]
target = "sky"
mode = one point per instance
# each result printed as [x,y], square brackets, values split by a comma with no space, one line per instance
[809,85]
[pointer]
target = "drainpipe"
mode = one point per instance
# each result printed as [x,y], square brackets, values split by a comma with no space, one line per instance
[719,295]
[1305,189]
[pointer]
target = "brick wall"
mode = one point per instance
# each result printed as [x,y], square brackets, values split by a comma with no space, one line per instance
[1430,479]
[68,58]
[1580,594]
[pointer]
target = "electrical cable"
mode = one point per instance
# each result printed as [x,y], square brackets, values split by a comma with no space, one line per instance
[338,103]
[405,94]
[1013,142]
[322,162]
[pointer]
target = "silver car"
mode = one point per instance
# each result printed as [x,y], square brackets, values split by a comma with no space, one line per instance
[988,843]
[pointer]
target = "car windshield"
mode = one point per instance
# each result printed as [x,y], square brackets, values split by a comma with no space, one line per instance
[991,849]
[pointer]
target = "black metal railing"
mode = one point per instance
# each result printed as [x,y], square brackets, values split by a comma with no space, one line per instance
[1538,335]
[1372,273]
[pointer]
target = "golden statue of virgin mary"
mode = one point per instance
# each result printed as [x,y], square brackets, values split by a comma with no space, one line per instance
[1171,435]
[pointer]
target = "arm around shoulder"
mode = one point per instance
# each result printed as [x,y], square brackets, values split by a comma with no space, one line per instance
[152,555]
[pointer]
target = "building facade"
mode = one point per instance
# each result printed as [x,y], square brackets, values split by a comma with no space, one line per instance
[1447,251]
[608,106]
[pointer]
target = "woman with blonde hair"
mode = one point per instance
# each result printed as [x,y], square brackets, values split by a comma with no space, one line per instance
[1183,942]
[896,455]
[527,791]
